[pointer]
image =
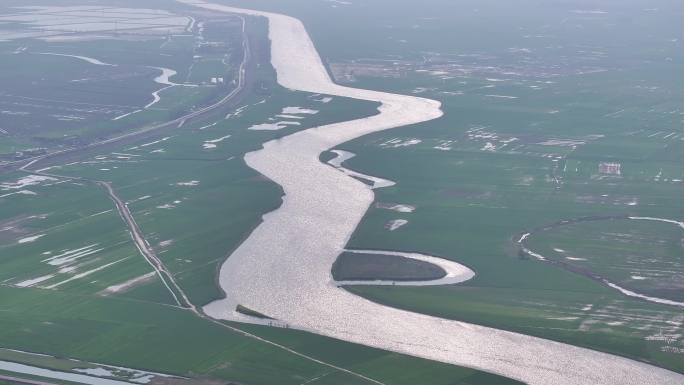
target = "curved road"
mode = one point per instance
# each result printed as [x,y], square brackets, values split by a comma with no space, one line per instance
[283,269]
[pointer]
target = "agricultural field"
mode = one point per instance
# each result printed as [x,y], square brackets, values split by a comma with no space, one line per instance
[643,256]
[360,267]
[149,337]
[131,68]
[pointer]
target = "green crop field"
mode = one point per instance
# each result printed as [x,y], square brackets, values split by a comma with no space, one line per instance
[359,266]
[153,337]
[640,255]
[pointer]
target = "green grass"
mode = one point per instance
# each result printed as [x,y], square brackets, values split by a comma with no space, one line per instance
[56,101]
[203,71]
[358,266]
[636,254]
[472,204]
[139,335]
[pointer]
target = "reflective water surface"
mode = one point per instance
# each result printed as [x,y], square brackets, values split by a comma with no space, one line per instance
[283,269]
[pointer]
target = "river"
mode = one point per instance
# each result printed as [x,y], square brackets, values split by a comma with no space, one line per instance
[282,269]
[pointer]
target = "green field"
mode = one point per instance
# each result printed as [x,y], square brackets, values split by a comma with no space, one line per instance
[642,256]
[51,101]
[472,203]
[137,334]
[359,266]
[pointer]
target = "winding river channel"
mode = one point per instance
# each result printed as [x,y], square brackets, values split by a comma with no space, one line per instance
[283,269]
